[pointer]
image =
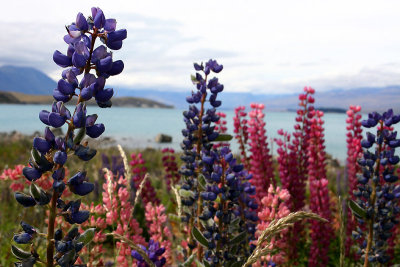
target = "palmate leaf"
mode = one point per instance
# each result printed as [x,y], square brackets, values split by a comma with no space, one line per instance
[356,209]
[199,237]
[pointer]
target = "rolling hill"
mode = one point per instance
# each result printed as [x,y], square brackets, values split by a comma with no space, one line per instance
[34,82]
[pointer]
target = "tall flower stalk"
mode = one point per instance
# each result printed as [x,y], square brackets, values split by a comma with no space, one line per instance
[293,162]
[215,194]
[321,233]
[354,151]
[376,206]
[50,153]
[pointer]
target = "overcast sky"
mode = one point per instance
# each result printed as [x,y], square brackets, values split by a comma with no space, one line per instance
[265,46]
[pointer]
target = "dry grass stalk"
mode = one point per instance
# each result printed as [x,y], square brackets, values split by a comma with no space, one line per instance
[135,247]
[178,200]
[128,172]
[275,227]
[109,178]
[139,191]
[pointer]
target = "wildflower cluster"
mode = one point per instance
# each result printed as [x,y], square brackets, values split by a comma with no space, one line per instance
[139,171]
[215,192]
[354,150]
[376,207]
[50,153]
[170,166]
[274,207]
[293,162]
[321,233]
[252,137]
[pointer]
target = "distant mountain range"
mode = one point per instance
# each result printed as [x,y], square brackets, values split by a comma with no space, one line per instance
[32,81]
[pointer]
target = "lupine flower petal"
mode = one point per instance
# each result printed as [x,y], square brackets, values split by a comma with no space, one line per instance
[60,96]
[95,130]
[80,216]
[116,45]
[105,64]
[90,120]
[81,22]
[61,59]
[32,174]
[117,68]
[82,189]
[41,145]
[116,36]
[23,238]
[99,19]
[44,116]
[65,87]
[77,179]
[56,120]
[87,92]
[60,157]
[78,60]
[104,95]
[110,25]
[24,200]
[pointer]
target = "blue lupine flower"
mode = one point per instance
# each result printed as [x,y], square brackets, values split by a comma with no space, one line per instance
[50,152]
[376,196]
[154,252]
[78,184]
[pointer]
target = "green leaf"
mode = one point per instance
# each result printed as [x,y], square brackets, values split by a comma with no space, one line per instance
[189,261]
[80,135]
[193,78]
[35,191]
[202,181]
[357,210]
[87,236]
[239,238]
[199,237]
[186,193]
[19,253]
[223,138]
[199,264]
[206,263]
[35,155]
[39,194]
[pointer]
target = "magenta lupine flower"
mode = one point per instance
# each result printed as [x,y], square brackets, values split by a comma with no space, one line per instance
[354,151]
[241,133]
[170,167]
[274,206]
[261,166]
[220,127]
[293,159]
[116,202]
[158,229]
[321,233]
[139,171]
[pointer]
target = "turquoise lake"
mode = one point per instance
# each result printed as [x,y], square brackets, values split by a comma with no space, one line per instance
[137,127]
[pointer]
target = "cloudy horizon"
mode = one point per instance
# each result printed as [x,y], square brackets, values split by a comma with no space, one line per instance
[265,46]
